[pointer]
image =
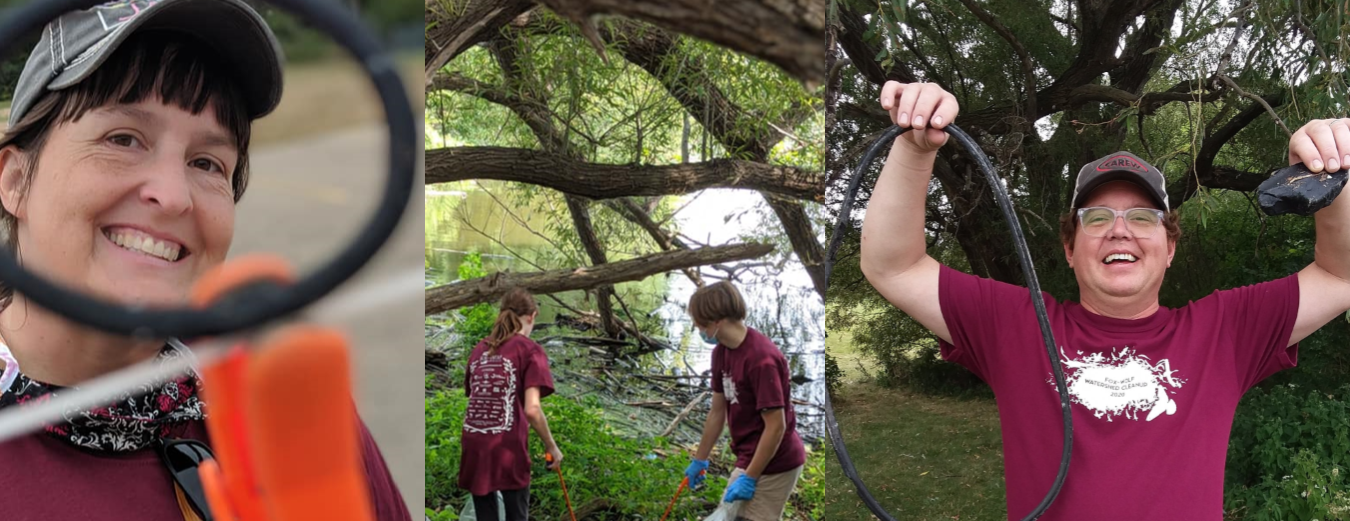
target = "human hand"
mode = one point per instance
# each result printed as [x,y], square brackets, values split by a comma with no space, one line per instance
[554,458]
[1322,143]
[923,107]
[741,489]
[696,471]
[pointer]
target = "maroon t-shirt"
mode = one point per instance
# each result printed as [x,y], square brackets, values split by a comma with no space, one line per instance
[754,377]
[495,441]
[43,478]
[1153,399]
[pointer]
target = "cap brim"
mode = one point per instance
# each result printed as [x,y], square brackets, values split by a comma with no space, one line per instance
[230,27]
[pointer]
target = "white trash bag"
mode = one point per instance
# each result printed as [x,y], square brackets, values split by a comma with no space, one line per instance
[467,514]
[726,511]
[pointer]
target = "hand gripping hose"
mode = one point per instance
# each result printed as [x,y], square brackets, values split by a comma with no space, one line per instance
[1028,270]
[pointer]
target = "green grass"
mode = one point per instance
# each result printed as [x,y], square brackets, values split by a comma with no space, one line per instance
[856,366]
[922,457]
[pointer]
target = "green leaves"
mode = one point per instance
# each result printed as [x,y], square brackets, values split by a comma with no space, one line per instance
[637,476]
[1289,455]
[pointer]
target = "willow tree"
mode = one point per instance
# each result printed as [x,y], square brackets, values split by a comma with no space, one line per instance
[609,108]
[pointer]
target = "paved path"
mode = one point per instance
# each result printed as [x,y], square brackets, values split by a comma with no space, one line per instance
[305,200]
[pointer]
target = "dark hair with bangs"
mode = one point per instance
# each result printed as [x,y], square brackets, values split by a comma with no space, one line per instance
[174,67]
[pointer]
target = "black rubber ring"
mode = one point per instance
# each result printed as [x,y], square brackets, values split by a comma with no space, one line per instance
[1028,271]
[261,306]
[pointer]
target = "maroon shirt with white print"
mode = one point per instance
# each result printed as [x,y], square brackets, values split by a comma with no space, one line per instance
[754,377]
[495,441]
[1152,399]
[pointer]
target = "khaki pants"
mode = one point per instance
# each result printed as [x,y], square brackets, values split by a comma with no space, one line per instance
[771,495]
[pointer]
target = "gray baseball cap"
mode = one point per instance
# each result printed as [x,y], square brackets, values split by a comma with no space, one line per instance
[1121,166]
[78,42]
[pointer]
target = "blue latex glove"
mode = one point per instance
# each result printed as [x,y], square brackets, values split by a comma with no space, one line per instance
[695,472]
[741,489]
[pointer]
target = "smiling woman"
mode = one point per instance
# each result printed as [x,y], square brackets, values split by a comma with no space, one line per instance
[126,153]
[168,155]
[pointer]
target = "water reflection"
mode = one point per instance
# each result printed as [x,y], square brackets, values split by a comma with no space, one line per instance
[781,299]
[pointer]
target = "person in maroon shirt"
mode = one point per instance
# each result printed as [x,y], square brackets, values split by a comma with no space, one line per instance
[753,397]
[1153,390]
[506,378]
[125,153]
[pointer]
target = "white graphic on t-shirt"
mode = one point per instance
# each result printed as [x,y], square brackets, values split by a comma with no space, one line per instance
[729,388]
[1122,383]
[492,395]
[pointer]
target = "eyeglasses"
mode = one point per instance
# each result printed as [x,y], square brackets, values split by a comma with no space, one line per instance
[182,457]
[1098,220]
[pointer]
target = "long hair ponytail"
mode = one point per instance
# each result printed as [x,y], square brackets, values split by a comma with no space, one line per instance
[515,304]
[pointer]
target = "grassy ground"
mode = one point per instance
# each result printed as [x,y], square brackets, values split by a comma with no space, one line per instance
[922,457]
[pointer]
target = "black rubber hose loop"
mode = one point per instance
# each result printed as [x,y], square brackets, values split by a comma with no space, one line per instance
[244,313]
[1028,270]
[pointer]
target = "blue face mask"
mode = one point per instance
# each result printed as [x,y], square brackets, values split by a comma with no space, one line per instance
[710,339]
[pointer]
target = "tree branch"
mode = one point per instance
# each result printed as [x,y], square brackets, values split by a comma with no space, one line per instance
[581,219]
[1028,68]
[492,287]
[1258,99]
[802,236]
[635,214]
[793,43]
[449,34]
[603,181]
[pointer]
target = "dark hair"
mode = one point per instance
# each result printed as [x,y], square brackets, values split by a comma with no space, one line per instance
[1068,226]
[715,302]
[516,303]
[187,74]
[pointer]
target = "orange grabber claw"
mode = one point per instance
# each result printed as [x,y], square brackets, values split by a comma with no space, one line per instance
[548,456]
[282,423]
[230,482]
[683,483]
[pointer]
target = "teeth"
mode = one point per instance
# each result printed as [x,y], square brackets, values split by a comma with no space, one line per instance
[1119,256]
[148,245]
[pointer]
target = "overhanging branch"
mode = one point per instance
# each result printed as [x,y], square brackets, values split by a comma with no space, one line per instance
[492,287]
[786,33]
[604,181]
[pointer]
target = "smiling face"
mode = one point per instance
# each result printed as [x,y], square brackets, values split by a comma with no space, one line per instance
[1120,265]
[123,185]
[130,203]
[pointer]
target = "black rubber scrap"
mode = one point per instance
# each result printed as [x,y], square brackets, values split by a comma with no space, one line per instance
[1297,190]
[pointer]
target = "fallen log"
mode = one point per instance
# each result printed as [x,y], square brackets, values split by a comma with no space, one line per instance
[492,287]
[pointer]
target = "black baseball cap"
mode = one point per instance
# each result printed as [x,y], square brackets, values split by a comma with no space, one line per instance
[77,43]
[1121,166]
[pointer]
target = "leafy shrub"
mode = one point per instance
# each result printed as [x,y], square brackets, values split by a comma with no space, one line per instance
[1288,456]
[636,476]
[472,323]
[832,373]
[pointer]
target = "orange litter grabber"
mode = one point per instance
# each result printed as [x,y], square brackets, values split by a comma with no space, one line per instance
[282,423]
[549,458]
[683,483]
